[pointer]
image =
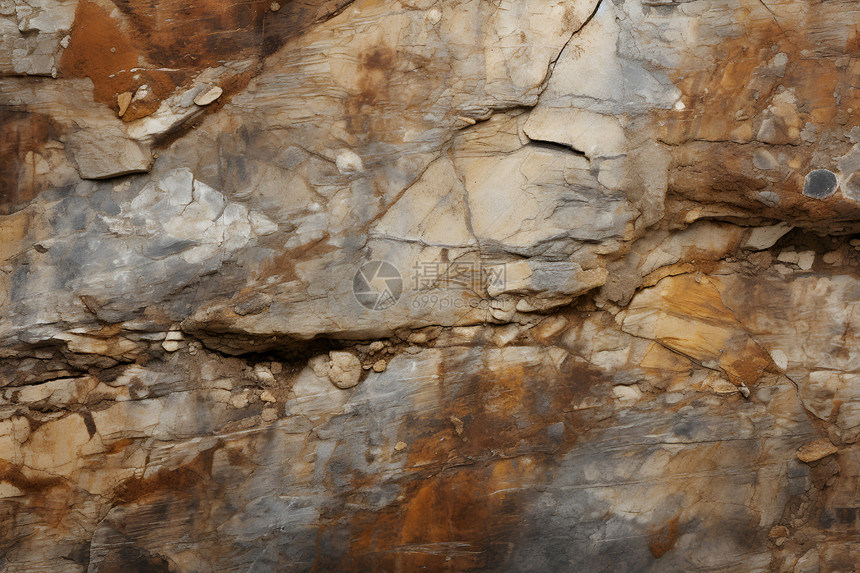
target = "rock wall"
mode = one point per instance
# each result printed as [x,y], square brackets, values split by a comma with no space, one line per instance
[364,285]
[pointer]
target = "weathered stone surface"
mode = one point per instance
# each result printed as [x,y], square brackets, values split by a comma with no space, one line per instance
[538,285]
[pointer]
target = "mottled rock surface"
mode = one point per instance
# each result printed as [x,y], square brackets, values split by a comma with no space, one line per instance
[542,285]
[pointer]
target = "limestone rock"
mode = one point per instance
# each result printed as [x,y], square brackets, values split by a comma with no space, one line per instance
[540,285]
[267,396]
[345,369]
[379,366]
[808,562]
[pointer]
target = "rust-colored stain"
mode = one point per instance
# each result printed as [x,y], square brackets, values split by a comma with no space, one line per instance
[374,77]
[13,475]
[852,46]
[160,45]
[182,481]
[284,264]
[100,50]
[163,44]
[194,34]
[448,523]
[663,539]
[745,361]
[46,496]
[374,81]
[465,489]
[118,446]
[386,86]
[22,134]
[726,102]
[705,329]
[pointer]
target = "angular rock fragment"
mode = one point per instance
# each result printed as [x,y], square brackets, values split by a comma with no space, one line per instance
[851,187]
[122,101]
[110,157]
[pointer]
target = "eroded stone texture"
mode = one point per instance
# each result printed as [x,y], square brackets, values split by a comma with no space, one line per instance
[620,334]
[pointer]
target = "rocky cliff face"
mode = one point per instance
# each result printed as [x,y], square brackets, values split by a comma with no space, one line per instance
[523,285]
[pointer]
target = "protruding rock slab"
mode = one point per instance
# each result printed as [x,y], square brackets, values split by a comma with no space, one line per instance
[761,238]
[817,450]
[102,158]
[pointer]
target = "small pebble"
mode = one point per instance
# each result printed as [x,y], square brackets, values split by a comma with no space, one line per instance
[820,184]
[267,396]
[832,258]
